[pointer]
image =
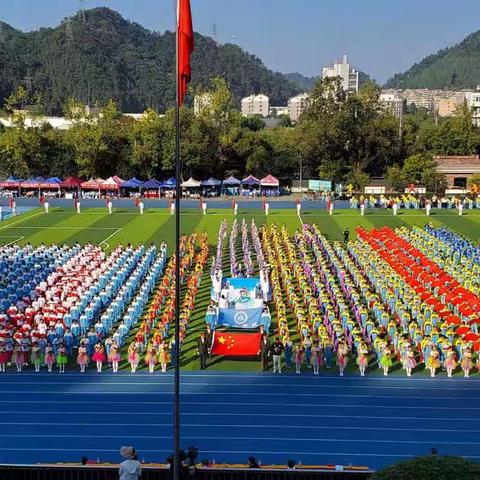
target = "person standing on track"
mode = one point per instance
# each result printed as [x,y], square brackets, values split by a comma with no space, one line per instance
[202,350]
[204,206]
[141,207]
[109,206]
[46,205]
[266,207]
[362,207]
[77,204]
[172,207]
[235,207]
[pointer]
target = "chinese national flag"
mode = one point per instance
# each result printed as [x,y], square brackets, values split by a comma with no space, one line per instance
[245,344]
[185,47]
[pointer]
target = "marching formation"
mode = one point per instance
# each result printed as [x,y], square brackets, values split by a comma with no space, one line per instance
[392,299]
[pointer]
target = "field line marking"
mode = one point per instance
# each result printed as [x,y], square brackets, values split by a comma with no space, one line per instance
[21,237]
[63,227]
[108,238]
[22,220]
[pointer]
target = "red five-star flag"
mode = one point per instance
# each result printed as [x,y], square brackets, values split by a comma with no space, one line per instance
[245,344]
[185,45]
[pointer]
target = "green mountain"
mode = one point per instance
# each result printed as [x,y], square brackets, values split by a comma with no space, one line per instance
[111,57]
[301,81]
[454,68]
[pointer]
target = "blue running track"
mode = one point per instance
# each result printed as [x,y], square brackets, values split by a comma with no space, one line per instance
[370,421]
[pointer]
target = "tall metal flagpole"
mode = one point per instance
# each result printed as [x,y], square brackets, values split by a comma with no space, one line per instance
[178,192]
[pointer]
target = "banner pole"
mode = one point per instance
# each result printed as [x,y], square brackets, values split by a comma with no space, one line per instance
[178,193]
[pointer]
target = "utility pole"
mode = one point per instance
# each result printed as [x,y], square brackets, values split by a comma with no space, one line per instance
[69,38]
[81,11]
[215,33]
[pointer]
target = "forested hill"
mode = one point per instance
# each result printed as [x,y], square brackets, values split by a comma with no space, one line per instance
[453,68]
[110,57]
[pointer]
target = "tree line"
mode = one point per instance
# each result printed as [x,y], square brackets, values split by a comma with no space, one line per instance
[348,139]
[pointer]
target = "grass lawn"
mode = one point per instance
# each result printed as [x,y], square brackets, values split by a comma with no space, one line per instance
[127,226]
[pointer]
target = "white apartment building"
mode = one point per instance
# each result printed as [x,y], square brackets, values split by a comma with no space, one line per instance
[296,105]
[473,101]
[255,105]
[348,76]
[392,103]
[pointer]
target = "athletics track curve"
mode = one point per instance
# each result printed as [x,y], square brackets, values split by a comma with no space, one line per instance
[372,421]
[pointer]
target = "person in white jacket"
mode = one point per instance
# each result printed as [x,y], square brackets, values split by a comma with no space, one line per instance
[130,468]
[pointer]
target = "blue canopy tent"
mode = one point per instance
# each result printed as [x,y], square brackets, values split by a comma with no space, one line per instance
[170,183]
[152,183]
[232,181]
[250,186]
[134,182]
[211,187]
[231,186]
[251,181]
[211,182]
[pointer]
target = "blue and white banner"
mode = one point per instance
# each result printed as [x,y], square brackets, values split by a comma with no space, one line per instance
[240,318]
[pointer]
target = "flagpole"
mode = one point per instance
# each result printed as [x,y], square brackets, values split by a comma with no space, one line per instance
[178,192]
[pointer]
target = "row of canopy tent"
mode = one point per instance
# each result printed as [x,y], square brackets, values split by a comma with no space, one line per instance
[116,183]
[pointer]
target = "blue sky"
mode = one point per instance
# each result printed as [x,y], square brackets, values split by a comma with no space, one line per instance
[381,37]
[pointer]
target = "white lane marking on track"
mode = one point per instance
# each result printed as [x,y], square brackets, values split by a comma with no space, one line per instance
[471,387]
[294,415]
[256,404]
[238,375]
[168,437]
[243,425]
[252,394]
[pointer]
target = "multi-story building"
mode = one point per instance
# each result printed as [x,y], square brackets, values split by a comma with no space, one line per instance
[473,101]
[296,105]
[442,102]
[348,76]
[255,105]
[392,103]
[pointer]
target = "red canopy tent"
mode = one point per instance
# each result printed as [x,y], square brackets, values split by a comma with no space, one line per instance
[92,184]
[112,183]
[72,182]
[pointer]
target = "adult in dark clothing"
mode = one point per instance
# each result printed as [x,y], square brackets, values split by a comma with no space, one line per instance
[265,351]
[209,337]
[346,235]
[277,350]
[202,350]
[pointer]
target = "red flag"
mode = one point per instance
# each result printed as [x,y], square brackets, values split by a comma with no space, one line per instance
[185,47]
[247,344]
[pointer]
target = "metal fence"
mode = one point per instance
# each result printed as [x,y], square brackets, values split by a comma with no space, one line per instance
[111,473]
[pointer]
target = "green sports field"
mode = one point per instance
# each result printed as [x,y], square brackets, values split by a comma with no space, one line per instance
[127,226]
